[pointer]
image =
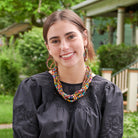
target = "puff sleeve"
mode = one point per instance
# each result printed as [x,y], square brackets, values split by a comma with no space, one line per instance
[25,123]
[112,115]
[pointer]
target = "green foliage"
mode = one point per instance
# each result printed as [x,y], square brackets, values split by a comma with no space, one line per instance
[133,17]
[33,51]
[95,66]
[6,133]
[19,11]
[22,10]
[6,102]
[117,56]
[104,22]
[9,70]
[4,22]
[131,125]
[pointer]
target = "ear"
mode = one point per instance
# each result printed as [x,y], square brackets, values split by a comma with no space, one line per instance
[85,37]
[47,46]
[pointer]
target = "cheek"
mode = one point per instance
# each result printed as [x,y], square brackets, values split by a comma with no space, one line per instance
[79,45]
[54,52]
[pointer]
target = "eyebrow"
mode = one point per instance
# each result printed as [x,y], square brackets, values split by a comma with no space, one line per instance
[69,33]
[55,37]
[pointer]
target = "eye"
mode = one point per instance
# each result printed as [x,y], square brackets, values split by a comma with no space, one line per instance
[55,41]
[71,37]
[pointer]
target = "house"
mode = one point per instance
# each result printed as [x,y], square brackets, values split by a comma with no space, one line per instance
[117,8]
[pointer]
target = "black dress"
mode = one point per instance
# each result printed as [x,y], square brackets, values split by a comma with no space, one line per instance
[40,112]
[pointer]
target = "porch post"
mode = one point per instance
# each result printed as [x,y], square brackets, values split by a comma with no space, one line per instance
[132,90]
[136,35]
[106,73]
[88,25]
[120,26]
[133,34]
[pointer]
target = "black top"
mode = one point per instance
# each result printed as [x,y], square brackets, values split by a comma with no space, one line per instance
[40,112]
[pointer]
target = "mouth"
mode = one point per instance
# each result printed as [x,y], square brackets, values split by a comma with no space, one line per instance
[67,56]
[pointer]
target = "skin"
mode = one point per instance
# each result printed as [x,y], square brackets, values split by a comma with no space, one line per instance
[66,45]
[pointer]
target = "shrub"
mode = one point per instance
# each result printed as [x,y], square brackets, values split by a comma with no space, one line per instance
[33,51]
[9,71]
[95,66]
[117,56]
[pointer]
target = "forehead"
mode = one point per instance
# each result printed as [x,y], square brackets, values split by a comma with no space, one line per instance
[62,27]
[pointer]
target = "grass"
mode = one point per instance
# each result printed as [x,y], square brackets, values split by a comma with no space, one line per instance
[6,109]
[131,125]
[6,133]
[6,102]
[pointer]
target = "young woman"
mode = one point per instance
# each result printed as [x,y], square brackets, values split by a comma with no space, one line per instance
[68,101]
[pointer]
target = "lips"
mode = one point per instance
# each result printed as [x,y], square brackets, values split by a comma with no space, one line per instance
[67,56]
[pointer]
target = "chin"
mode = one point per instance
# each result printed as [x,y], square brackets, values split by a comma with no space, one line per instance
[71,64]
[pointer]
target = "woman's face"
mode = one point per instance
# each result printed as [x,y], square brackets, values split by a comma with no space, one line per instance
[66,44]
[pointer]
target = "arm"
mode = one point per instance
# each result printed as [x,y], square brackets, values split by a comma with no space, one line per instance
[112,117]
[25,123]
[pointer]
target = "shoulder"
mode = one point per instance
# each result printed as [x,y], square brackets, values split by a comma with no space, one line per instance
[100,79]
[40,79]
[32,88]
[107,94]
[104,89]
[101,82]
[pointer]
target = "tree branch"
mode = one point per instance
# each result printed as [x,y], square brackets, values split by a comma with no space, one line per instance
[37,22]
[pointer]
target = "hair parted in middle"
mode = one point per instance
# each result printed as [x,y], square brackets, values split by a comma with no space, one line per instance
[72,17]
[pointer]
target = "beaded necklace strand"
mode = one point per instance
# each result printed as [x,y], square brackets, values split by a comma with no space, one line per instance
[79,93]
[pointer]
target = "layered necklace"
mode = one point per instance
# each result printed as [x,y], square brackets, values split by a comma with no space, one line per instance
[77,94]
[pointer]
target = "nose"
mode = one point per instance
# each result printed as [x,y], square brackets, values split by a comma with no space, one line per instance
[64,45]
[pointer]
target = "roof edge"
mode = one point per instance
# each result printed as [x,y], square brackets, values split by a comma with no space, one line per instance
[12,25]
[83,4]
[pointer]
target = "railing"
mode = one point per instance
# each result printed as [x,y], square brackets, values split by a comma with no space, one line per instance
[121,78]
[127,80]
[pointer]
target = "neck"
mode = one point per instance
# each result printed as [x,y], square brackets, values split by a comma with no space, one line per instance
[72,75]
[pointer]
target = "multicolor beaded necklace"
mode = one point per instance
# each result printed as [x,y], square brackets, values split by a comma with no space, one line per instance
[79,93]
